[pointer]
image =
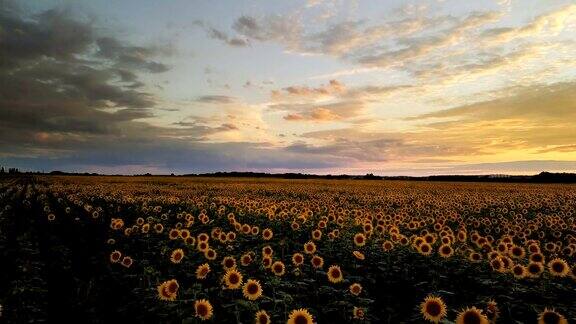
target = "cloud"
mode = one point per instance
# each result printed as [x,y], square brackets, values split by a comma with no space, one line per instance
[284,29]
[333,101]
[550,23]
[64,84]
[216,99]
[544,103]
[418,47]
[131,57]
[332,88]
[220,35]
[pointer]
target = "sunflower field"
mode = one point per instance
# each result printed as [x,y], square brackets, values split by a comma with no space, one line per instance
[205,250]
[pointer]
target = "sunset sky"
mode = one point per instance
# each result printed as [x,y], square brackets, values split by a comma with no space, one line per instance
[317,86]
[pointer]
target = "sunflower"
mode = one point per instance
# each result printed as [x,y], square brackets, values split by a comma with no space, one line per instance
[475,257]
[550,316]
[445,251]
[316,234]
[210,254]
[387,246]
[190,241]
[203,309]
[267,234]
[310,247]
[497,265]
[203,237]
[359,239]
[297,259]
[245,259]
[158,228]
[425,249]
[334,274]
[519,271]
[534,269]
[355,289]
[202,271]
[492,311]
[537,257]
[317,262]
[359,255]
[558,268]
[127,262]
[433,309]
[115,256]
[168,290]
[202,246]
[471,316]
[173,234]
[517,252]
[252,289]
[177,256]
[358,313]
[278,268]
[262,317]
[228,262]
[267,251]
[232,279]
[300,316]
[184,234]
[267,262]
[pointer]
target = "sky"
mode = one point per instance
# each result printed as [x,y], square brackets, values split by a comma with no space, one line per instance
[313,86]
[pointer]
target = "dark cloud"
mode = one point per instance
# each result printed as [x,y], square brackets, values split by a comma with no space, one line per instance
[64,87]
[132,57]
[216,99]
[220,35]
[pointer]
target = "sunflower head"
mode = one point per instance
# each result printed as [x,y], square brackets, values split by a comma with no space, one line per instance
[335,274]
[168,290]
[115,256]
[252,289]
[202,271]
[359,239]
[245,259]
[300,316]
[177,256]
[359,255]
[278,268]
[267,234]
[433,309]
[203,309]
[267,251]
[519,271]
[297,259]
[387,246]
[355,289]
[534,269]
[262,317]
[445,251]
[425,248]
[471,316]
[210,254]
[228,262]
[232,279]
[127,262]
[558,267]
[317,262]
[550,316]
[310,247]
[358,313]
[492,311]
